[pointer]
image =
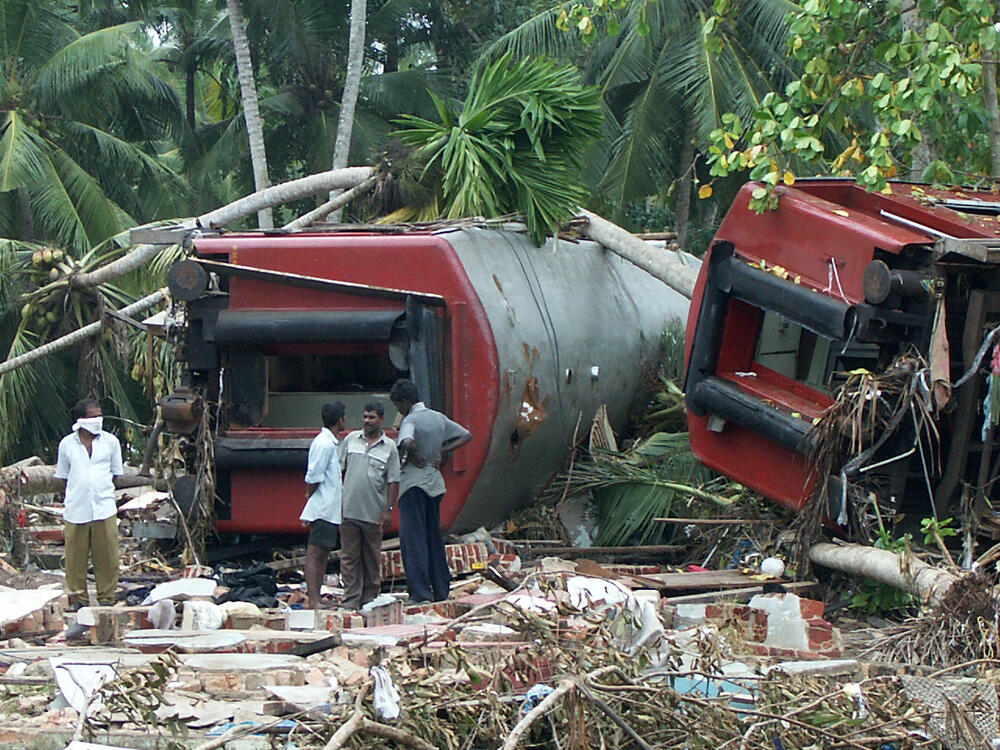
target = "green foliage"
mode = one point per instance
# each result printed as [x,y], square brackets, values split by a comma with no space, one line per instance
[656,476]
[876,598]
[876,81]
[516,145]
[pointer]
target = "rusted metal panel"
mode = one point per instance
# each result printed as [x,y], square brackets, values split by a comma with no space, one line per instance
[573,326]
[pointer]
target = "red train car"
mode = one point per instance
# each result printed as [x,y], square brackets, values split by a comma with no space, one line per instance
[834,279]
[514,341]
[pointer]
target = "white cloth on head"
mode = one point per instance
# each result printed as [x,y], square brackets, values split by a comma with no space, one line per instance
[93,425]
[90,486]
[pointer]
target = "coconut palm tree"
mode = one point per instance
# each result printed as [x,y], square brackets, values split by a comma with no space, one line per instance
[666,82]
[251,111]
[352,85]
[83,117]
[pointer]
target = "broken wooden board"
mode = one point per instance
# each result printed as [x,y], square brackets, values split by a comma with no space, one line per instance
[708,580]
[797,587]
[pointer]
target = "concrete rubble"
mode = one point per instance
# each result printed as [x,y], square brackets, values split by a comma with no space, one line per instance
[228,657]
[248,676]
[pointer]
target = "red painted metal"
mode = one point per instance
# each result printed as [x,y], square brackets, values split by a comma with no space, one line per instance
[270,500]
[817,226]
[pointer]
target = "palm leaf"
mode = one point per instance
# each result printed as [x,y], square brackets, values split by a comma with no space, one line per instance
[72,204]
[82,62]
[32,31]
[517,145]
[22,153]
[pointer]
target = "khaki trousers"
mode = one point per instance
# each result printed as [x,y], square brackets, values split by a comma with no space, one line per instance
[360,561]
[99,540]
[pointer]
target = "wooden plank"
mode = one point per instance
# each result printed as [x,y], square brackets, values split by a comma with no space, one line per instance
[798,587]
[26,680]
[648,549]
[716,521]
[701,580]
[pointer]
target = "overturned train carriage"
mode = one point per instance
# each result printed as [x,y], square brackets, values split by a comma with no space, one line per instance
[514,341]
[835,279]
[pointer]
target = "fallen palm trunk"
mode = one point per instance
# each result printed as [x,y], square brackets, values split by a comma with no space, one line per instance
[667,267]
[91,329]
[251,204]
[334,204]
[925,581]
[40,480]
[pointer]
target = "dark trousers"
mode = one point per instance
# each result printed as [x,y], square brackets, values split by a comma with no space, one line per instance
[422,546]
[360,561]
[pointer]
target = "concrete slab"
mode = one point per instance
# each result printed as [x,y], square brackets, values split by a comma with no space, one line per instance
[188,642]
[16,605]
[241,662]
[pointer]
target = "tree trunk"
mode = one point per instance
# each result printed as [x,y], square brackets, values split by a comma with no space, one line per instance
[332,205]
[925,152]
[27,214]
[273,196]
[189,93]
[349,99]
[91,329]
[41,480]
[682,206]
[248,92]
[992,110]
[928,583]
[667,267]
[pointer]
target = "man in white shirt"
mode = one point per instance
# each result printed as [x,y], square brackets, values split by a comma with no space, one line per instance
[324,506]
[89,460]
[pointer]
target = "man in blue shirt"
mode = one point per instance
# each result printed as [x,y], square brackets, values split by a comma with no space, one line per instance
[323,511]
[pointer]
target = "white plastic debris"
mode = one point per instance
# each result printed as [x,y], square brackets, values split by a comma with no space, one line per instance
[78,680]
[529,603]
[386,699]
[202,615]
[183,587]
[772,566]
[162,614]
[785,626]
[585,592]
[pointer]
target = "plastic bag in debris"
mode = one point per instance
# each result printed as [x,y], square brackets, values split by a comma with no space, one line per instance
[585,592]
[162,614]
[386,700]
[535,695]
[202,615]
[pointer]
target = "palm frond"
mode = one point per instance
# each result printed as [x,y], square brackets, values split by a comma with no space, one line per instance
[29,421]
[33,31]
[72,204]
[537,36]
[82,62]
[517,145]
[22,153]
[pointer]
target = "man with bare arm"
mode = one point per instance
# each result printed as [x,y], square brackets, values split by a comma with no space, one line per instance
[426,437]
[371,487]
[324,492]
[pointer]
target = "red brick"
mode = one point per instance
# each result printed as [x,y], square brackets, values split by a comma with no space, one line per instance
[811,608]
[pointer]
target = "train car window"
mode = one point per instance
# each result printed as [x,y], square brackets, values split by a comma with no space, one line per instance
[799,354]
[299,383]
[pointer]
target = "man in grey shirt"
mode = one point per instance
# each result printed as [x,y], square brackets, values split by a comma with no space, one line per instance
[425,439]
[371,487]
